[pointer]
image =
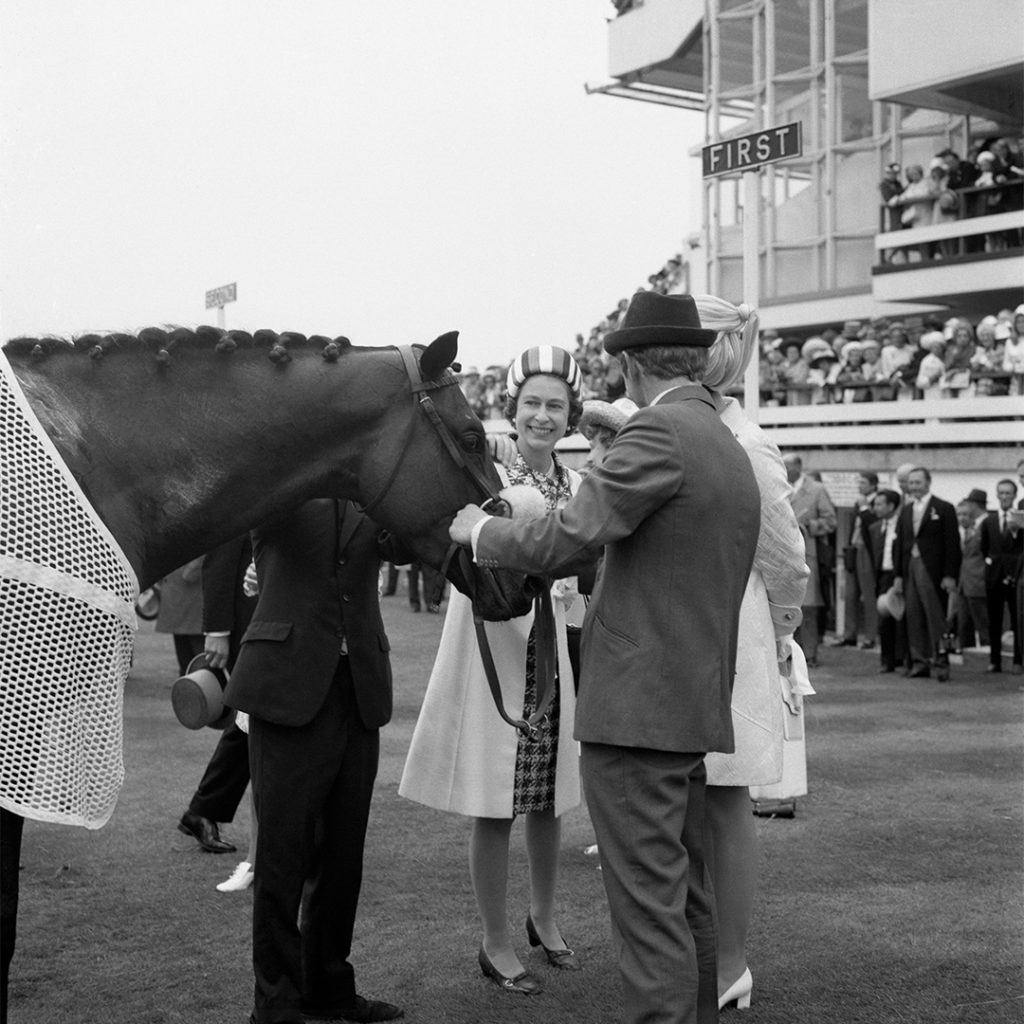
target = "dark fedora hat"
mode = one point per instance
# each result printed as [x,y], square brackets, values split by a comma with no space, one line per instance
[656,319]
[978,497]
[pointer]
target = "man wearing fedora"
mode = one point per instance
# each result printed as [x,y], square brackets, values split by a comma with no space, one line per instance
[676,508]
[315,678]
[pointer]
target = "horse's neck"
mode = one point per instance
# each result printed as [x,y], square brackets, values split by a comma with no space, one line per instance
[178,462]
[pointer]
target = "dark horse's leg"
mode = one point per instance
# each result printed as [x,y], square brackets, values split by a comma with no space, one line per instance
[11,826]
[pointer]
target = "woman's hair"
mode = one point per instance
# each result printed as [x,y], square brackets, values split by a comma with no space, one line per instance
[664,362]
[601,434]
[737,328]
[575,405]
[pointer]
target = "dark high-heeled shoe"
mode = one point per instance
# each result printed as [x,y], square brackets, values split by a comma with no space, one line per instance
[524,983]
[563,959]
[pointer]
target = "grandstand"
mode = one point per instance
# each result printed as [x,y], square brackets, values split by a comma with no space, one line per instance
[873,83]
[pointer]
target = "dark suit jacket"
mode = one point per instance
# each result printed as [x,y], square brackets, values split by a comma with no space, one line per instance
[1002,554]
[938,540]
[318,576]
[676,505]
[876,544]
[866,516]
[226,609]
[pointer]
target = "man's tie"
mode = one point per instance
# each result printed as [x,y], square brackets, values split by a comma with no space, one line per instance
[1006,523]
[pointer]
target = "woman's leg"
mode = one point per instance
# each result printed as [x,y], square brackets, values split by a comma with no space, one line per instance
[543,844]
[488,872]
[733,863]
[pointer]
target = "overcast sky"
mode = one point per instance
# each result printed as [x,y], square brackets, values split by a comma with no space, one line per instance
[385,169]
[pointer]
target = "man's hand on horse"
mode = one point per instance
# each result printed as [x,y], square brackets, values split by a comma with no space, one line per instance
[461,529]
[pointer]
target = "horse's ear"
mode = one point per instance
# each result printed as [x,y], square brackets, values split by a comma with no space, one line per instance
[439,355]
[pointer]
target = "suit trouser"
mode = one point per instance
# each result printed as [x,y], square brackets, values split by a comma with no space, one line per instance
[312,786]
[860,598]
[647,808]
[222,786]
[11,828]
[926,618]
[888,628]
[1002,595]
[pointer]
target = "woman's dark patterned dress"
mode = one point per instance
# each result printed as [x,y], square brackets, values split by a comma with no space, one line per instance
[537,757]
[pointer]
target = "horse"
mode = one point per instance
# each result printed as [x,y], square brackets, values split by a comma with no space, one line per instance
[180,440]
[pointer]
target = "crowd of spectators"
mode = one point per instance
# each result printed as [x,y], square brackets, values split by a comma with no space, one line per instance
[895,361]
[870,361]
[988,180]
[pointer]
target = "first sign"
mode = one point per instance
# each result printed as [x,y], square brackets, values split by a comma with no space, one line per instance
[218,296]
[750,151]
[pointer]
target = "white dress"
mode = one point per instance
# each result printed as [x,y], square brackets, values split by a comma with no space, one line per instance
[776,585]
[462,756]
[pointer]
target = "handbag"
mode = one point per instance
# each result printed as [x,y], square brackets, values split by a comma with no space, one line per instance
[573,637]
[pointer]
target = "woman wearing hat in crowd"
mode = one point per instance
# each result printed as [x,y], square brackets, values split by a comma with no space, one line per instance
[931,369]
[464,757]
[762,697]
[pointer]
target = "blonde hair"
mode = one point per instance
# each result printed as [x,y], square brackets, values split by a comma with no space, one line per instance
[737,328]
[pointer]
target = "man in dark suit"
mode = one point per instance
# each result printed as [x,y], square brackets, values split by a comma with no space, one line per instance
[859,605]
[882,533]
[1002,542]
[315,677]
[676,507]
[226,614]
[927,563]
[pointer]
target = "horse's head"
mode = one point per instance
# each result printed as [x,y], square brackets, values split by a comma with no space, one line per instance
[430,460]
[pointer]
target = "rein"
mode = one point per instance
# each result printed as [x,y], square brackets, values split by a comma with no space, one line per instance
[544,619]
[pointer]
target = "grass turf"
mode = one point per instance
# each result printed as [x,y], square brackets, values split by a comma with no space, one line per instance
[894,895]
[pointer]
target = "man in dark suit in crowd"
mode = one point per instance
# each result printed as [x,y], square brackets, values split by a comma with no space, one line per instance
[1002,544]
[859,606]
[315,678]
[970,623]
[883,536]
[927,563]
[226,614]
[676,507]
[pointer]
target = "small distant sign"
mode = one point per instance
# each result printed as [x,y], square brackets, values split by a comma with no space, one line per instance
[750,151]
[219,296]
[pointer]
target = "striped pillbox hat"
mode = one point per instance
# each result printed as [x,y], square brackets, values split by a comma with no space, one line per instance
[544,359]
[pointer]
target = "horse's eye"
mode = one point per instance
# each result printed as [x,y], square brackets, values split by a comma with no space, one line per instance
[472,442]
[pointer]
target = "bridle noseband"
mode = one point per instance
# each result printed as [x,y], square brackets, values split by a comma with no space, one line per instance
[494,504]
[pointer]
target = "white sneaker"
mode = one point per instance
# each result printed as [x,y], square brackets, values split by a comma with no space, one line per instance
[241,878]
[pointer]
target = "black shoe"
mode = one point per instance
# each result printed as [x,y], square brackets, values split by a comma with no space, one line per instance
[842,643]
[434,609]
[526,984]
[365,1011]
[887,668]
[205,832]
[563,959]
[994,668]
[414,607]
[919,673]
[867,645]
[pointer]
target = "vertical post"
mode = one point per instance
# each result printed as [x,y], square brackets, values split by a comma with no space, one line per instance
[752,280]
[221,317]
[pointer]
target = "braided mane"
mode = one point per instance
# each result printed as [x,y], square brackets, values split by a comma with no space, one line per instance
[162,342]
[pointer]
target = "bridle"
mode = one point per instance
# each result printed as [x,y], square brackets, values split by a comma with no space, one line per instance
[494,504]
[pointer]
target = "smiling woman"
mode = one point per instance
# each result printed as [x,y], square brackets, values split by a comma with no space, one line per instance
[463,756]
